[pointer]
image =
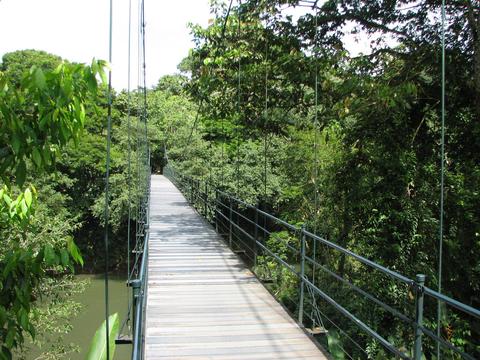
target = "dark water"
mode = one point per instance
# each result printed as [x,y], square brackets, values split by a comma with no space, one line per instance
[93,314]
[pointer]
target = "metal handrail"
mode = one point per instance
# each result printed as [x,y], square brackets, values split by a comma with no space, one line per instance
[139,284]
[140,302]
[215,205]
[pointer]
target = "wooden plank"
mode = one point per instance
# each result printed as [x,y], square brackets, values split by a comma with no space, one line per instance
[202,301]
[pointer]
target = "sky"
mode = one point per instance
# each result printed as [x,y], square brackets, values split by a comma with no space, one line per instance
[78,30]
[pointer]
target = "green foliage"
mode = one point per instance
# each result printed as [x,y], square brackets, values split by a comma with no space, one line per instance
[335,345]
[34,127]
[16,63]
[284,282]
[98,346]
[358,161]
[40,114]
[53,316]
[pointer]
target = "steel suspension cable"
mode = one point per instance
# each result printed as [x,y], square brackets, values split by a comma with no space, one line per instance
[129,170]
[107,178]
[442,179]
[265,120]
[144,67]
[139,111]
[315,144]
[237,161]
[265,114]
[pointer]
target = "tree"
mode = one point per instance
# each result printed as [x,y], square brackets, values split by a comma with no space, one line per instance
[362,167]
[38,117]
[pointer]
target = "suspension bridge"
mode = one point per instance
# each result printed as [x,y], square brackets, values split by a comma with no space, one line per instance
[205,262]
[202,300]
[201,291]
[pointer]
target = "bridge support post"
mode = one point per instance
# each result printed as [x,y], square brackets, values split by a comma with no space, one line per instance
[230,222]
[194,192]
[205,200]
[302,274]
[215,208]
[255,239]
[136,285]
[197,196]
[419,295]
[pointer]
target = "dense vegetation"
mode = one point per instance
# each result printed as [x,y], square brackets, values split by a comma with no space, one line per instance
[277,112]
[53,177]
[350,145]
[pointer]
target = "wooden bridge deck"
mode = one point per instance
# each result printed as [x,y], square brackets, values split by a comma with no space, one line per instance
[202,302]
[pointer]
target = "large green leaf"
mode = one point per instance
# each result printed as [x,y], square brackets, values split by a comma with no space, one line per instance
[21,173]
[98,348]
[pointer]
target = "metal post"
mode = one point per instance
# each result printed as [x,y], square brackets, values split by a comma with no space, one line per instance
[135,284]
[302,274]
[255,239]
[198,194]
[215,210]
[230,222]
[205,199]
[419,294]
[194,192]
[191,191]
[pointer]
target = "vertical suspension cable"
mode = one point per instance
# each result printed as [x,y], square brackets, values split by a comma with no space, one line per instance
[265,114]
[237,162]
[138,181]
[144,114]
[144,67]
[107,176]
[129,170]
[222,167]
[222,121]
[315,147]
[442,180]
[265,130]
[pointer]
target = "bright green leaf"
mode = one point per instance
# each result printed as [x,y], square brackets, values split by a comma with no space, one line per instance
[49,255]
[39,77]
[21,173]
[98,346]
[16,144]
[28,197]
[64,258]
[37,158]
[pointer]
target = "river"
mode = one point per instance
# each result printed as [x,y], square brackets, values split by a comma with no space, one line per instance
[93,314]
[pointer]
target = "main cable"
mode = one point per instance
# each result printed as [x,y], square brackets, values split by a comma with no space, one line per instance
[129,171]
[265,114]
[107,178]
[237,160]
[315,145]
[442,180]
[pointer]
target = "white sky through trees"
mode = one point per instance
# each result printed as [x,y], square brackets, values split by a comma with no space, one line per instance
[77,30]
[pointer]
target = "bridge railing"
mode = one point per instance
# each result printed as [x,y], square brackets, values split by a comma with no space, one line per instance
[138,276]
[320,293]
